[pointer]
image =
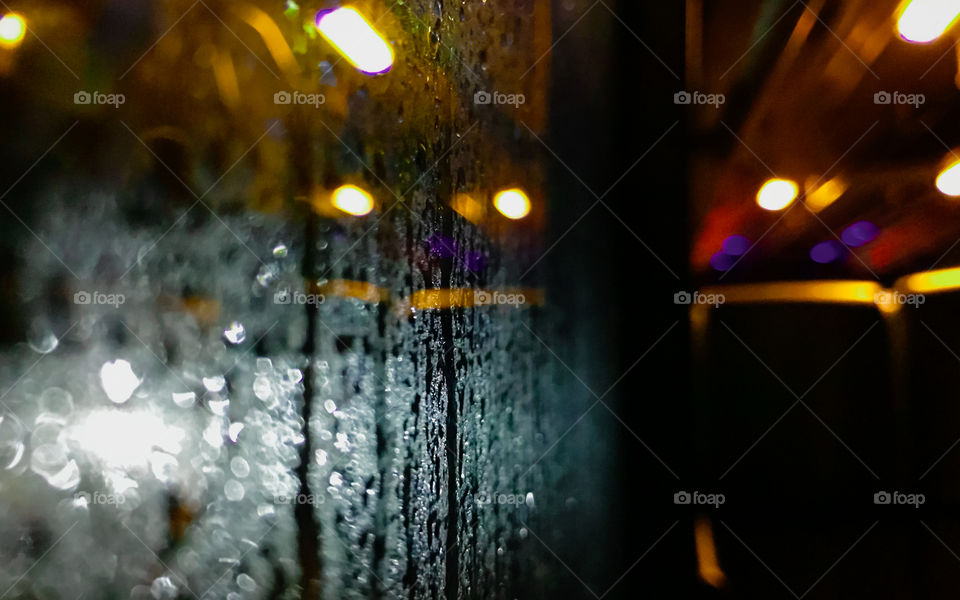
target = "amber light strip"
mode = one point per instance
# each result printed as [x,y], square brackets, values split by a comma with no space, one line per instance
[844,292]
[346,288]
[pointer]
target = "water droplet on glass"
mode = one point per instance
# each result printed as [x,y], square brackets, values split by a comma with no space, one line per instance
[217,404]
[56,405]
[118,380]
[163,466]
[239,467]
[215,383]
[163,588]
[233,490]
[246,583]
[184,399]
[261,388]
[41,339]
[235,334]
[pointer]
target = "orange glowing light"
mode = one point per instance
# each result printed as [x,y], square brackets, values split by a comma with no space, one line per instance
[513,204]
[707,564]
[12,30]
[777,194]
[923,21]
[826,194]
[352,200]
[825,292]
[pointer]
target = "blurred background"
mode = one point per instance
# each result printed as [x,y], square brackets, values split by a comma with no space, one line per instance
[479,299]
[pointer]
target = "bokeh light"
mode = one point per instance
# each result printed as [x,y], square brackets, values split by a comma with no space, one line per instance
[777,194]
[12,30]
[826,252]
[513,204]
[860,233]
[923,21]
[948,182]
[352,200]
[736,245]
[356,40]
[822,196]
[722,261]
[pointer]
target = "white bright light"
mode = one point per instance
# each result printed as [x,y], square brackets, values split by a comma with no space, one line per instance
[948,182]
[923,21]
[121,439]
[356,40]
[513,204]
[12,30]
[118,380]
[352,200]
[777,194]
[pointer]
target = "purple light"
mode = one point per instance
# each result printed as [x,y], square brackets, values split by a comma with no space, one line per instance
[860,233]
[826,252]
[736,245]
[475,261]
[441,245]
[722,261]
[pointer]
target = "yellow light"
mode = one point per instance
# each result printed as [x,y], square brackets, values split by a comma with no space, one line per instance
[513,204]
[932,281]
[468,208]
[352,200]
[356,40]
[777,194]
[825,195]
[813,292]
[923,21]
[12,30]
[948,182]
